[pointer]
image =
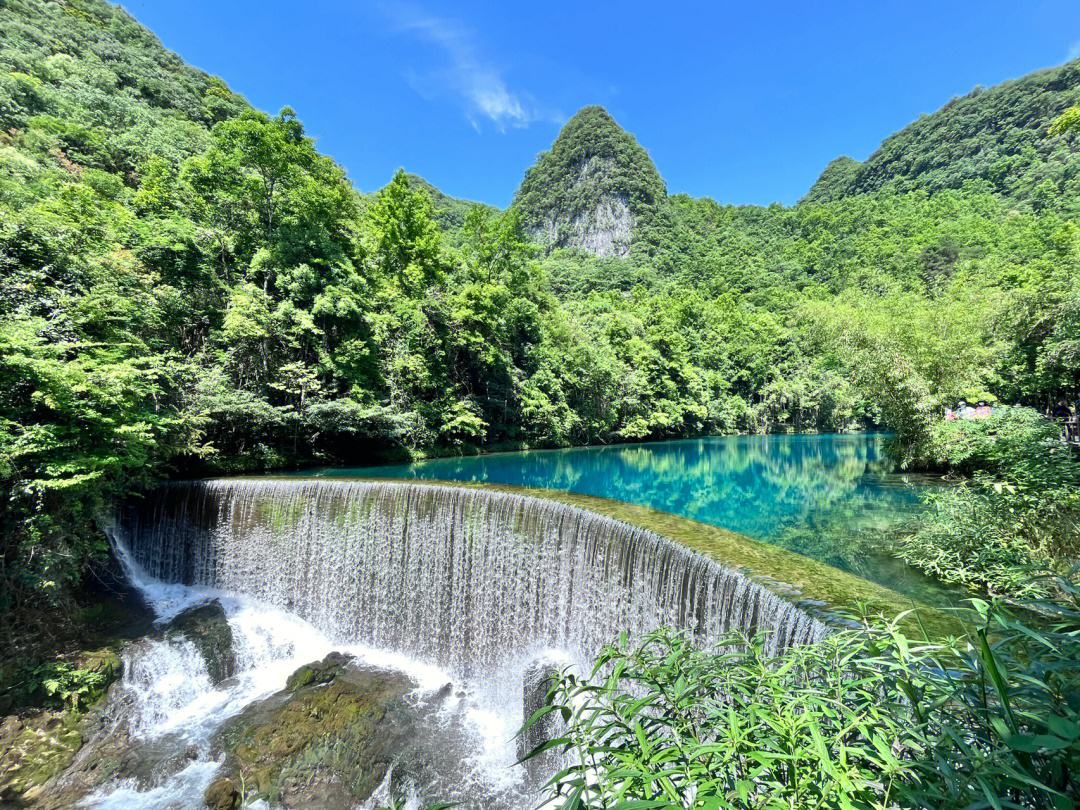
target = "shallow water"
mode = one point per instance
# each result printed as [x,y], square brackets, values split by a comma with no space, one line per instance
[833,497]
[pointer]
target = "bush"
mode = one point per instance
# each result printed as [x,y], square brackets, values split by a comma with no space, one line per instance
[62,685]
[864,719]
[1019,511]
[1011,441]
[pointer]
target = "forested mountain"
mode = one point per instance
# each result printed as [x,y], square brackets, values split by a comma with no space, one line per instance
[592,189]
[449,212]
[995,135]
[187,285]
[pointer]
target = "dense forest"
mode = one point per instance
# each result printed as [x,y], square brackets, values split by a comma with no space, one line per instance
[188,285]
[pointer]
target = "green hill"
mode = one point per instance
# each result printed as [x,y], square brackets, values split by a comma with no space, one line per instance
[188,286]
[450,212]
[592,189]
[995,135]
[84,80]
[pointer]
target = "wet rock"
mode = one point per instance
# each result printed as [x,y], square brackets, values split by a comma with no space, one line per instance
[99,762]
[537,681]
[222,795]
[39,744]
[36,747]
[207,627]
[51,756]
[318,672]
[326,740]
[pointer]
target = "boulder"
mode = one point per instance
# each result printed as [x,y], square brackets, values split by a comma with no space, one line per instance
[327,740]
[538,679]
[207,627]
[222,795]
[318,672]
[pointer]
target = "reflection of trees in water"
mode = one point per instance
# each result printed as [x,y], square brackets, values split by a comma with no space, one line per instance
[754,485]
[862,542]
[761,486]
[833,498]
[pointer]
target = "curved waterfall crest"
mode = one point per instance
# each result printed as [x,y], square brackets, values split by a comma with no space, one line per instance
[464,577]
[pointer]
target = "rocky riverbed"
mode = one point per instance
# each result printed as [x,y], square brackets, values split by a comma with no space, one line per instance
[216,704]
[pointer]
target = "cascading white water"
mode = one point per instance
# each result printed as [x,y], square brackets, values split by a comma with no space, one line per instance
[166,677]
[167,693]
[441,582]
[465,578]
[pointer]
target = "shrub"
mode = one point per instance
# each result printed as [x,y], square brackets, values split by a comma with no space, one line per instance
[864,719]
[1011,441]
[1018,511]
[62,685]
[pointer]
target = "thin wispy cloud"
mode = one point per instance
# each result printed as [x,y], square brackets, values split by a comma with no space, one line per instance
[1074,51]
[474,81]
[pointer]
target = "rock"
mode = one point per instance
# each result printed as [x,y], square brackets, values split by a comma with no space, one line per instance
[326,740]
[106,752]
[207,627]
[536,683]
[222,795]
[104,662]
[318,672]
[36,747]
[593,190]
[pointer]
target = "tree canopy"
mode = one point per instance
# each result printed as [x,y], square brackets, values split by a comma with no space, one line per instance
[187,284]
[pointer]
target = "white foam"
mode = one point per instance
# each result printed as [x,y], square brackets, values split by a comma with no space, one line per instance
[171,692]
[181,791]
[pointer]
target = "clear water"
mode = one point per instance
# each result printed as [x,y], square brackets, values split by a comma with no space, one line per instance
[833,497]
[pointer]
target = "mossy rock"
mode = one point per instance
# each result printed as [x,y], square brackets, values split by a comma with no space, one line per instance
[326,740]
[318,672]
[36,747]
[223,794]
[207,627]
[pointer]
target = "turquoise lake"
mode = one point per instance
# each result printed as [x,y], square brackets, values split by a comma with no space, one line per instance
[833,497]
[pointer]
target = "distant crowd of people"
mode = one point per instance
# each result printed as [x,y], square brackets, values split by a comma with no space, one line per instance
[1068,416]
[982,410]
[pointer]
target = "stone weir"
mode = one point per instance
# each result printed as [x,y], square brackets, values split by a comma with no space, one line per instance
[466,577]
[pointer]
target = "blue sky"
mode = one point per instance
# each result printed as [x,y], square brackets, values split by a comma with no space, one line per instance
[742,102]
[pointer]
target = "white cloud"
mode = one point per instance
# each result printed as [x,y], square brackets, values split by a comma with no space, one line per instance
[475,82]
[1074,51]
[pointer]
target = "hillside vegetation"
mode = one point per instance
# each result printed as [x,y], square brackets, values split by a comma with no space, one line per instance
[592,188]
[188,286]
[996,135]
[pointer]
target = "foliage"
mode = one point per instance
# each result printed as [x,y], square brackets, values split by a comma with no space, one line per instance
[866,718]
[1068,121]
[186,284]
[61,685]
[995,134]
[836,181]
[1019,510]
[1016,442]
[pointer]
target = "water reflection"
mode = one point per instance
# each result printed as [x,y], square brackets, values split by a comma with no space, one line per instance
[831,497]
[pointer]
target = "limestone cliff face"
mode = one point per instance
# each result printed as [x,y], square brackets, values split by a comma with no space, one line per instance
[592,190]
[604,228]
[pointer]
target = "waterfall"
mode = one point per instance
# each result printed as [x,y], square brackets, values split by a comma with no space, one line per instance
[467,578]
